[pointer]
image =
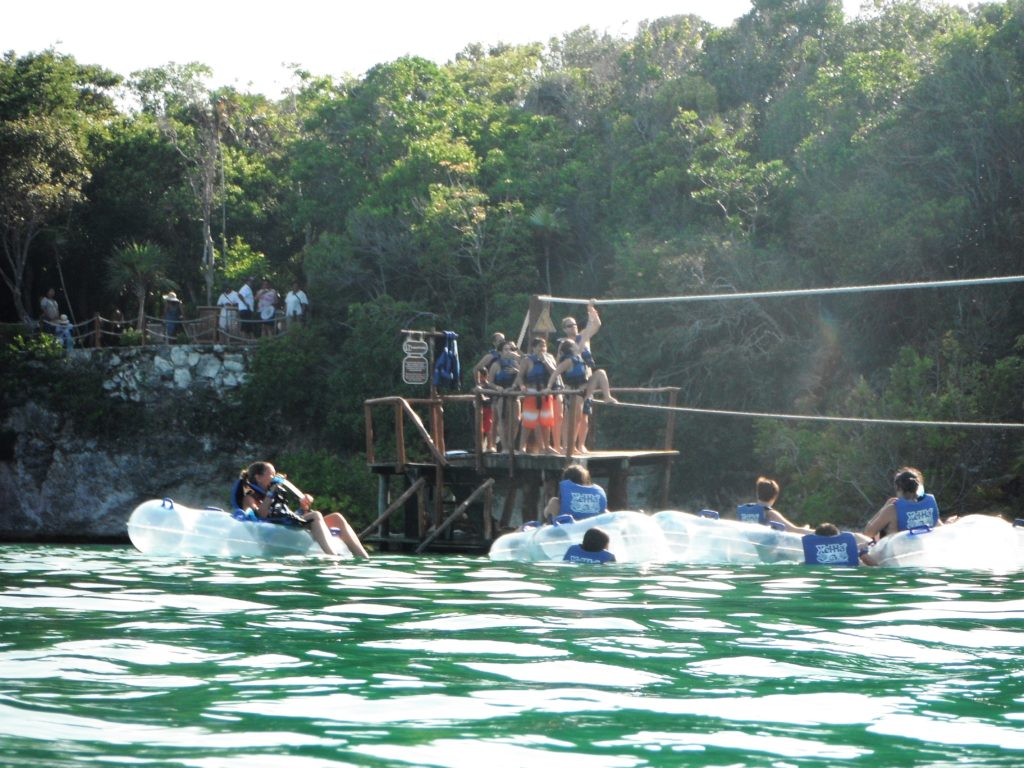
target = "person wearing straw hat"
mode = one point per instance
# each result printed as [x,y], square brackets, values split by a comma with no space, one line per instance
[172,316]
[63,332]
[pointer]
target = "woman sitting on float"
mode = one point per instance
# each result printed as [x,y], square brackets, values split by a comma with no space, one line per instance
[258,496]
[578,496]
[910,508]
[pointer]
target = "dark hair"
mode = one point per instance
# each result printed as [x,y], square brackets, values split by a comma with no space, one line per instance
[595,540]
[578,474]
[566,346]
[826,529]
[767,490]
[908,480]
[538,340]
[256,468]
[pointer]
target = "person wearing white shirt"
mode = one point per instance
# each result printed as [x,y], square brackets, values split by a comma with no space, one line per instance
[246,305]
[228,319]
[295,304]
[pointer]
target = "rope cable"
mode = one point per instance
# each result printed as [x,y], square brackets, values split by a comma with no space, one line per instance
[797,292]
[842,419]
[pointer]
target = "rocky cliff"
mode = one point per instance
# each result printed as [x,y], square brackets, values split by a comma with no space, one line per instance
[85,438]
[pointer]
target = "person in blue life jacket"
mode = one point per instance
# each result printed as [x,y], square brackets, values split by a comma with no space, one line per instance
[763,512]
[256,497]
[538,411]
[480,370]
[588,377]
[574,372]
[503,377]
[593,550]
[830,546]
[910,508]
[578,495]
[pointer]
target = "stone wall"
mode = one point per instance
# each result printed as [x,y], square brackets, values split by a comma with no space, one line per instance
[59,483]
[137,374]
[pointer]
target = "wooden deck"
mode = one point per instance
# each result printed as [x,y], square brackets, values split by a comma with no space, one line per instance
[447,487]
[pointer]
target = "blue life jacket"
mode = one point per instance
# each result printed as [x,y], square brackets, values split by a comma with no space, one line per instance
[577,554]
[447,369]
[830,550]
[506,375]
[581,501]
[911,514]
[585,352]
[576,375]
[539,373]
[752,512]
[238,494]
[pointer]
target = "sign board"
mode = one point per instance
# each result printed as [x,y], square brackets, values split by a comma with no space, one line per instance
[415,347]
[415,369]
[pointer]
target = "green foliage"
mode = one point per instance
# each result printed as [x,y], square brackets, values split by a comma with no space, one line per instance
[791,149]
[337,485]
[39,346]
[136,269]
[240,261]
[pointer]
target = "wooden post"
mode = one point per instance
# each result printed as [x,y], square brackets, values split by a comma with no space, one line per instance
[368,420]
[531,497]
[509,505]
[618,487]
[400,435]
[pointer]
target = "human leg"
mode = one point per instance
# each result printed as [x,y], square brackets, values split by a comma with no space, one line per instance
[599,381]
[346,533]
[319,531]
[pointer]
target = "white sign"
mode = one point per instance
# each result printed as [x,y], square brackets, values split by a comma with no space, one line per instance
[415,347]
[415,370]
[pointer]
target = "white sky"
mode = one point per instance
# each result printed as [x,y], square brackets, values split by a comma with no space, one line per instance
[251,45]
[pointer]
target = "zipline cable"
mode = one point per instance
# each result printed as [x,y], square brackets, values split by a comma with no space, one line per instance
[842,419]
[797,291]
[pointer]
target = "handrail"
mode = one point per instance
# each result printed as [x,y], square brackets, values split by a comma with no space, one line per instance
[93,331]
[404,406]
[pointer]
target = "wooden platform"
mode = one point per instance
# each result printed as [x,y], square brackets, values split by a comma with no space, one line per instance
[433,496]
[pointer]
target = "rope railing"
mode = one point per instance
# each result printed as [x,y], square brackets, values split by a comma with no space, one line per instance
[99,331]
[795,292]
[840,419]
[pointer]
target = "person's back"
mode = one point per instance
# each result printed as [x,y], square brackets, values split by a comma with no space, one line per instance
[910,508]
[914,513]
[593,550]
[830,546]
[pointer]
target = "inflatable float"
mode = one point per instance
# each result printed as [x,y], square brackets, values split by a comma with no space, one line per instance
[668,536]
[635,538]
[164,527]
[974,542]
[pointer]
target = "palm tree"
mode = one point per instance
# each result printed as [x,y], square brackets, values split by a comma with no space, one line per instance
[138,268]
[548,224]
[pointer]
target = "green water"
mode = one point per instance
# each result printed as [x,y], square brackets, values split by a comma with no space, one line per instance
[110,658]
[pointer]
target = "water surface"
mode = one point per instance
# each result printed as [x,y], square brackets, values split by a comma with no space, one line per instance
[112,658]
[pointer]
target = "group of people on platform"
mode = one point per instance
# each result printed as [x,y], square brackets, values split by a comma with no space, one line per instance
[251,312]
[910,508]
[528,392]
